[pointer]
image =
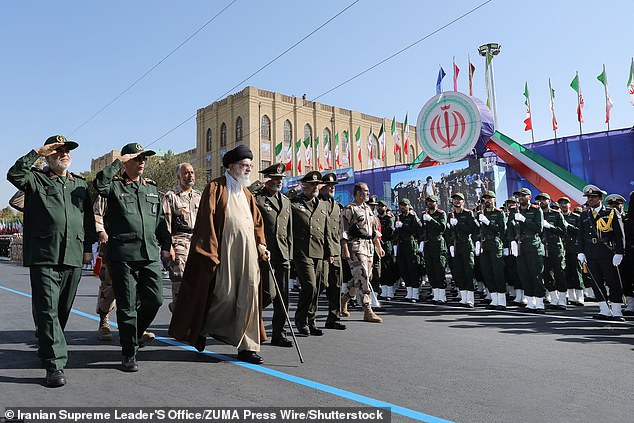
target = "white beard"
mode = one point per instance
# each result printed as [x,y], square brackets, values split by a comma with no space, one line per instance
[243,180]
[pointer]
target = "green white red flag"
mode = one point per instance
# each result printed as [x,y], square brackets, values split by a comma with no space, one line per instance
[357,138]
[574,84]
[396,137]
[406,133]
[528,121]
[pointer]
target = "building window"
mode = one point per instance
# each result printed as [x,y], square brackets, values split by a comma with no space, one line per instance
[376,152]
[208,158]
[223,135]
[209,139]
[239,129]
[265,129]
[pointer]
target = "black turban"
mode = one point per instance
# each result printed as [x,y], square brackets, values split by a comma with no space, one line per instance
[237,154]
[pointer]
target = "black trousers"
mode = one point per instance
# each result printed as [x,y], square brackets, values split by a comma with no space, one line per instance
[271,295]
[604,274]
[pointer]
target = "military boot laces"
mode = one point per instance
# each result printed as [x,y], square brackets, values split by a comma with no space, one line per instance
[104,332]
[370,316]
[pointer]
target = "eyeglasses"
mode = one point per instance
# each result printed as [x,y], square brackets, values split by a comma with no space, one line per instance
[140,159]
[245,165]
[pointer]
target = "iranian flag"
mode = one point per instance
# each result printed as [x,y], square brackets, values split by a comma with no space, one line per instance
[456,71]
[327,151]
[382,142]
[319,165]
[289,157]
[279,155]
[370,155]
[608,101]
[471,72]
[346,140]
[574,84]
[298,155]
[337,155]
[406,132]
[552,106]
[357,138]
[396,137]
[309,153]
[630,83]
[528,121]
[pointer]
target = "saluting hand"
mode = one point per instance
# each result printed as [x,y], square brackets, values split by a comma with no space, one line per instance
[128,157]
[47,150]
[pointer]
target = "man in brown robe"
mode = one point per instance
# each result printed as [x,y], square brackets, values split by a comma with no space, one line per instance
[219,292]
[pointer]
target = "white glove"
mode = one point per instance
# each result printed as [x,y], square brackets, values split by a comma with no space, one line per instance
[398,224]
[581,257]
[395,248]
[542,250]
[484,219]
[477,248]
[426,217]
[547,225]
[453,221]
[505,252]
[520,217]
[617,259]
[452,251]
[421,246]
[515,249]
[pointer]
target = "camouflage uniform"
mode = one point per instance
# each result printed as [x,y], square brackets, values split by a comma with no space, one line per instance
[180,209]
[105,299]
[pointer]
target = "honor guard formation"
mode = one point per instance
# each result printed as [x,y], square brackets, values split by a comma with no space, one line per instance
[235,248]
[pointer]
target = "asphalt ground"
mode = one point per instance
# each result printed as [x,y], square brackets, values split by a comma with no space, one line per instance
[427,363]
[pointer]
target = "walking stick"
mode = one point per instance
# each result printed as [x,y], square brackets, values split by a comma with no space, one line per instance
[288,320]
[596,284]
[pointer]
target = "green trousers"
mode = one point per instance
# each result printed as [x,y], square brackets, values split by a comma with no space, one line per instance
[53,289]
[530,266]
[138,289]
[492,268]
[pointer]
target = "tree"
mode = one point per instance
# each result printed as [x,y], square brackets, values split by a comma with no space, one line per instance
[163,171]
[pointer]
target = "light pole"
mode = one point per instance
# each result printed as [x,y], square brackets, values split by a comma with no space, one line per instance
[486,50]
[332,141]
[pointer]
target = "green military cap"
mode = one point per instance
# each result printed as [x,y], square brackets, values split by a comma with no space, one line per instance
[458,195]
[256,186]
[329,178]
[432,198]
[523,191]
[275,171]
[490,194]
[615,198]
[382,203]
[313,176]
[511,200]
[543,195]
[589,190]
[373,201]
[71,145]
[564,200]
[404,201]
[134,147]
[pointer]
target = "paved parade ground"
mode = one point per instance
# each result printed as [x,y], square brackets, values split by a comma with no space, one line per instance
[426,363]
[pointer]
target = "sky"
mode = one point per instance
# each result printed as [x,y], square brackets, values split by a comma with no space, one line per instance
[63,61]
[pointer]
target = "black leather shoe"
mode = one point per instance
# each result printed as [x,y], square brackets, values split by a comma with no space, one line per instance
[539,311]
[315,331]
[200,344]
[129,364]
[500,307]
[302,328]
[335,325]
[250,357]
[55,378]
[281,342]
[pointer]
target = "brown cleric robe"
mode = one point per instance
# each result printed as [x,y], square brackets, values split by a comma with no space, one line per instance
[199,279]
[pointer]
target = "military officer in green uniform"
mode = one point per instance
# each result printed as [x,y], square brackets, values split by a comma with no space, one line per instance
[278,232]
[463,228]
[332,274]
[510,260]
[554,258]
[492,231]
[435,248]
[574,280]
[59,229]
[389,271]
[527,247]
[136,228]
[310,232]
[407,235]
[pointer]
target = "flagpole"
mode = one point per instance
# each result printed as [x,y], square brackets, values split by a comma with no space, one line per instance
[579,106]
[528,100]
[552,111]
[605,89]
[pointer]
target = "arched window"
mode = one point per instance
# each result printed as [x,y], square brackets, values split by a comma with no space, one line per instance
[308,135]
[239,129]
[345,146]
[223,135]
[288,134]
[265,128]
[209,139]
[411,153]
[328,149]
[265,141]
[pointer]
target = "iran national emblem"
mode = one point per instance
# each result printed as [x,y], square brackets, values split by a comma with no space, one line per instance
[449,126]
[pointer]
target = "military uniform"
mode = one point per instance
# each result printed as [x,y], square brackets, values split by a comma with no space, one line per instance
[105,296]
[492,237]
[510,261]
[59,228]
[136,227]
[554,258]
[627,274]
[389,270]
[530,262]
[435,252]
[278,232]
[375,278]
[574,281]
[407,236]
[359,228]
[601,244]
[310,232]
[180,209]
[461,235]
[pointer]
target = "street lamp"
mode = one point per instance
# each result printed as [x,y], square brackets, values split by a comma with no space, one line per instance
[485,50]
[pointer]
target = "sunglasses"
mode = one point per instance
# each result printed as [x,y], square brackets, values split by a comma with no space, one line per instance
[140,159]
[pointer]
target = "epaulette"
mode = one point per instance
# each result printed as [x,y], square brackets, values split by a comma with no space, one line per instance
[77,176]
[151,182]
[37,169]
